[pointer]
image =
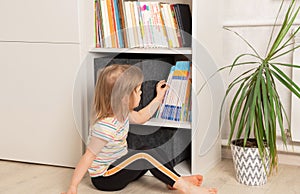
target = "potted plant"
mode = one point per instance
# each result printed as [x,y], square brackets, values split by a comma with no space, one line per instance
[256,107]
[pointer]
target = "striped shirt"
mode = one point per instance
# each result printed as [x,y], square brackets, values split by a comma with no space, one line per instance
[115,133]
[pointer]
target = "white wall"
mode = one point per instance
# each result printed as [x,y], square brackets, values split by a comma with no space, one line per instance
[295,121]
[253,20]
[255,11]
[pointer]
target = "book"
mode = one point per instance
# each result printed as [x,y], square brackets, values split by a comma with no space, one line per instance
[129,27]
[145,20]
[123,22]
[172,25]
[106,30]
[187,99]
[166,25]
[118,24]
[176,26]
[136,6]
[181,74]
[160,33]
[134,24]
[175,101]
[112,26]
[98,31]
[163,31]
[184,21]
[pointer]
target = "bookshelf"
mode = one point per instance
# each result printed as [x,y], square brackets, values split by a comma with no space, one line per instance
[207,30]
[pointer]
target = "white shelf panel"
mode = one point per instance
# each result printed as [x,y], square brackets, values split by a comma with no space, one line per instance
[167,123]
[184,51]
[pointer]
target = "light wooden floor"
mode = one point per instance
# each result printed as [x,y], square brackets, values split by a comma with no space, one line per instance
[23,178]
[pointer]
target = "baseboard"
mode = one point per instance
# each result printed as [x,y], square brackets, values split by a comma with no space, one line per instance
[226,152]
[289,158]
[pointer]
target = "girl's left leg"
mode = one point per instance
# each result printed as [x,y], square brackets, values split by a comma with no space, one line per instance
[143,160]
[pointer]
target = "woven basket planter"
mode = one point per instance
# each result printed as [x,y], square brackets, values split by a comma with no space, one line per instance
[248,165]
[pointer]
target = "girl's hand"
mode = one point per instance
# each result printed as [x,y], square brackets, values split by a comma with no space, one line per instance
[72,190]
[161,88]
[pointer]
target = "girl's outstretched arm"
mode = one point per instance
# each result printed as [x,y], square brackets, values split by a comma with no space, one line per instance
[84,163]
[143,115]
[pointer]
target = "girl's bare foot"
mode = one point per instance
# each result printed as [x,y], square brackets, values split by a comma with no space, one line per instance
[193,179]
[186,187]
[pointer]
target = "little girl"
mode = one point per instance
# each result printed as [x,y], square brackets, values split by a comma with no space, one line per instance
[111,166]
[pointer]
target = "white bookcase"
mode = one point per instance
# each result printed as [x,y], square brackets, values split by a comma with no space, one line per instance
[207,28]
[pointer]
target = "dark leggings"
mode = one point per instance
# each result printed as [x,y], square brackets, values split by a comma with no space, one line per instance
[134,165]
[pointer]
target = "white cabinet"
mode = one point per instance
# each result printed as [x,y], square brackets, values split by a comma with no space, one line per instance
[36,82]
[39,21]
[39,58]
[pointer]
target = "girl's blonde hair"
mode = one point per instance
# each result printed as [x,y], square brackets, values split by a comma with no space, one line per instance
[114,87]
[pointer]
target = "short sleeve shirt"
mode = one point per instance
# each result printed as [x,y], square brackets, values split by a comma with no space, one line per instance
[114,133]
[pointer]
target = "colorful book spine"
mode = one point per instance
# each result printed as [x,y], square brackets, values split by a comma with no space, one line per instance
[186,91]
[123,22]
[153,26]
[112,27]
[118,24]
[131,42]
[137,14]
[172,26]
[97,40]
[163,32]
[134,25]
[184,21]
[160,39]
[106,29]
[145,17]
[188,100]
[175,23]
[167,23]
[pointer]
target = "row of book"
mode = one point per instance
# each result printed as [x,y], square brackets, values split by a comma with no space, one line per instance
[134,24]
[177,102]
